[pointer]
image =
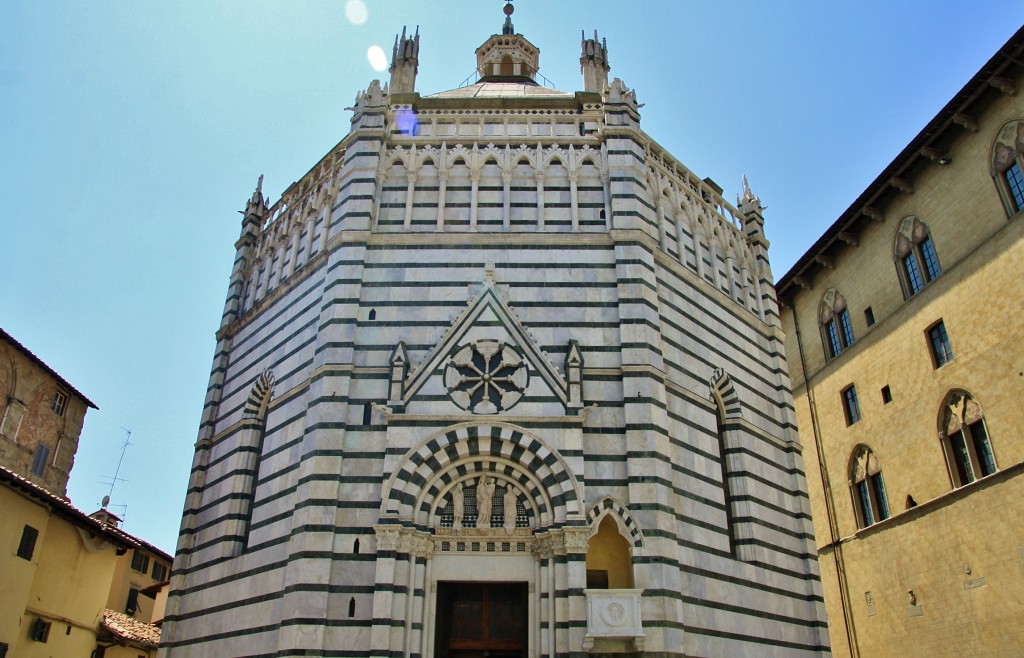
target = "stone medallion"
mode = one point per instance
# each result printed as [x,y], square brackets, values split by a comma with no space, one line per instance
[486,377]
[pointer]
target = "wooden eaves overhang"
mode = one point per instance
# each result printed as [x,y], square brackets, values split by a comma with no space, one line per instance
[65,510]
[931,147]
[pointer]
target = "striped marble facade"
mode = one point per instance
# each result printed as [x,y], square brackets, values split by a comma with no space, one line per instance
[318,520]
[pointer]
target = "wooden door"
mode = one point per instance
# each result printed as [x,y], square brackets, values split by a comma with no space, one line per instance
[481,620]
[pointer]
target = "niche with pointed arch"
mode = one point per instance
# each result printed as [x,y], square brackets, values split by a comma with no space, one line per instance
[609,562]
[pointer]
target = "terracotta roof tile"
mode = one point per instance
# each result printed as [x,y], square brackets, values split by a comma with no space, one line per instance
[131,629]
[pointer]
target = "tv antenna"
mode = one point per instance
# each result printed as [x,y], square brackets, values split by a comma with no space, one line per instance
[115,479]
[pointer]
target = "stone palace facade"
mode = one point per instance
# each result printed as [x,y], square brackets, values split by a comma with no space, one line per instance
[498,376]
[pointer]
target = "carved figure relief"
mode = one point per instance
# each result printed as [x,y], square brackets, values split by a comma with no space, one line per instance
[458,506]
[484,501]
[510,509]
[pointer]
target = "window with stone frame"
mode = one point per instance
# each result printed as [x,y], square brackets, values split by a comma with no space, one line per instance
[867,488]
[914,253]
[965,439]
[938,343]
[1008,165]
[836,327]
[851,406]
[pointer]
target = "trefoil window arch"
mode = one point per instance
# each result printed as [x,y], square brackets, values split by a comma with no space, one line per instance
[870,502]
[1008,165]
[836,327]
[916,259]
[965,439]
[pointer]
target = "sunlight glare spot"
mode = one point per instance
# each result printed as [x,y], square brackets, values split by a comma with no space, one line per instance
[355,12]
[378,60]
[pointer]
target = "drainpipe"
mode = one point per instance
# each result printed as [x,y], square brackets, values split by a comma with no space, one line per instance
[833,529]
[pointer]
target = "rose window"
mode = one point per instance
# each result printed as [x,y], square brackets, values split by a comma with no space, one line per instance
[486,377]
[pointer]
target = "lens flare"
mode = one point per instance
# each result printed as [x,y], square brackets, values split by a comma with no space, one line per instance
[356,12]
[378,60]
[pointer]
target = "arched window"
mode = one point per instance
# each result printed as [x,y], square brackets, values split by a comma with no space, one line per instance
[965,439]
[836,328]
[251,439]
[1007,165]
[914,253]
[869,501]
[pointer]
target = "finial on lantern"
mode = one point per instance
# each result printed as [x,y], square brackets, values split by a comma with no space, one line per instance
[509,10]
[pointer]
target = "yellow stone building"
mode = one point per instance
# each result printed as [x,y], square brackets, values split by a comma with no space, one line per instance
[71,585]
[74,585]
[905,353]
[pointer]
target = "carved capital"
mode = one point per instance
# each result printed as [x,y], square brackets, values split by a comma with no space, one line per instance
[542,548]
[576,539]
[387,538]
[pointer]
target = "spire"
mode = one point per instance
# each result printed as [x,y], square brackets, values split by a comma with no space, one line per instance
[405,62]
[752,215]
[257,204]
[594,63]
[508,28]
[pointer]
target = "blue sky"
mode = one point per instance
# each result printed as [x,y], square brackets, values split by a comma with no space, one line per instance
[133,132]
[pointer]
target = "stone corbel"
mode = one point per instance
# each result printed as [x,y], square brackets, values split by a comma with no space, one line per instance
[902,184]
[802,281]
[966,121]
[873,213]
[849,238]
[1004,85]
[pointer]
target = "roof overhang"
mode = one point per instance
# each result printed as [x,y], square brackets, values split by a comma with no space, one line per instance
[929,148]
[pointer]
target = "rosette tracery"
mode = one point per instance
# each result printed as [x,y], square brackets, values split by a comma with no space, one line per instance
[486,377]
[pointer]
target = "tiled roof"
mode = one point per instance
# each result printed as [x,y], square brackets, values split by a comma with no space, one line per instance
[131,629]
[502,90]
[39,362]
[66,510]
[62,507]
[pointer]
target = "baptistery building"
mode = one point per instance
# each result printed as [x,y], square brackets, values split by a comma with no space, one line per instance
[498,376]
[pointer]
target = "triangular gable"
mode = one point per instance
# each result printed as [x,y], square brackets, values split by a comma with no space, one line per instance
[488,307]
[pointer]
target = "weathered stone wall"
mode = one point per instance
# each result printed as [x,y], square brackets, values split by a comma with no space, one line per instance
[28,420]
